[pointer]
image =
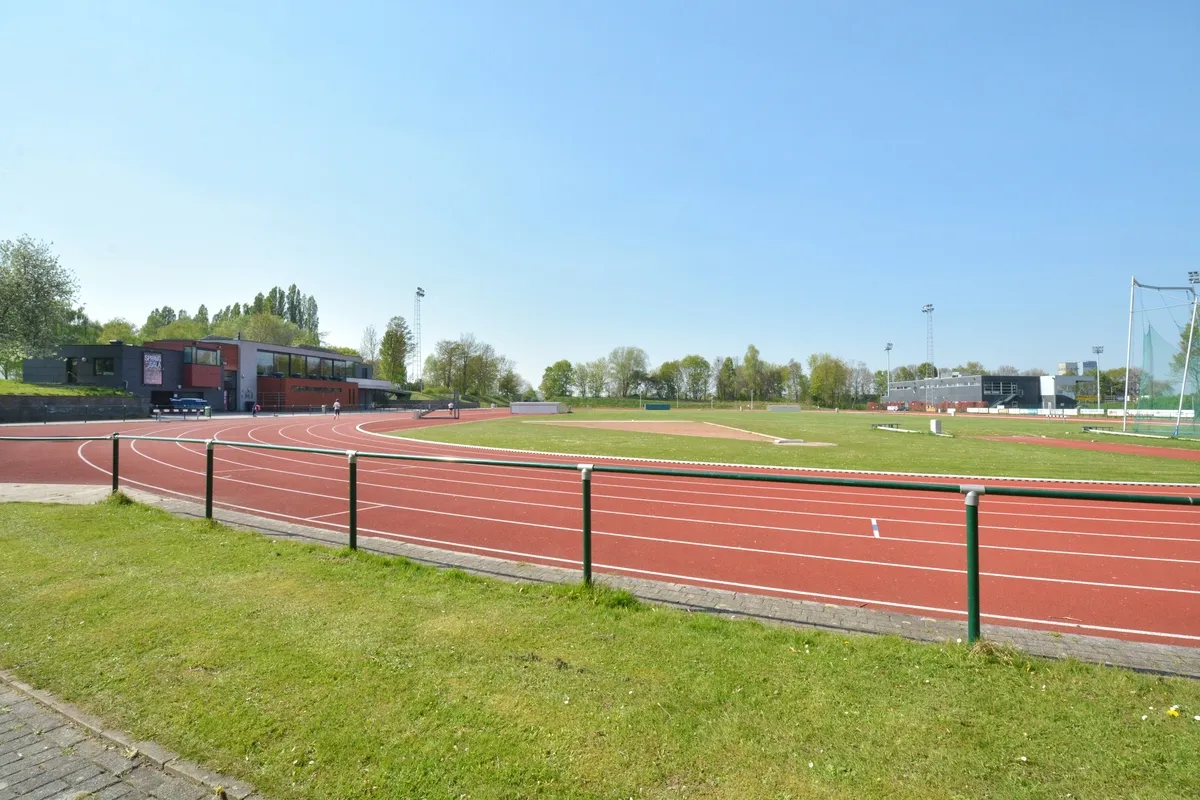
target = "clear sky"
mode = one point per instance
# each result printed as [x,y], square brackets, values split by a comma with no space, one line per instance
[565,177]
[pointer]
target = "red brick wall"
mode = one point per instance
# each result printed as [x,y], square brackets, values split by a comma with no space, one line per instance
[304,392]
[201,376]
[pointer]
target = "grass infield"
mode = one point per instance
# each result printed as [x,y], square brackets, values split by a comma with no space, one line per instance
[858,446]
[314,673]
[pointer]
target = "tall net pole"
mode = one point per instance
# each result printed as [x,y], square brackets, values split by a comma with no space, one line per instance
[927,310]
[1128,353]
[1187,362]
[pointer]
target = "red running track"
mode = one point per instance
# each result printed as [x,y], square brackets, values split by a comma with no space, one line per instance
[1109,569]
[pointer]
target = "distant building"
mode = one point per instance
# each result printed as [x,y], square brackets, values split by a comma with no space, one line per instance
[1076,367]
[980,391]
[229,374]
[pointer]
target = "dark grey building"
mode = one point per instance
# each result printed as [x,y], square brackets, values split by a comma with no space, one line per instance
[148,372]
[1008,391]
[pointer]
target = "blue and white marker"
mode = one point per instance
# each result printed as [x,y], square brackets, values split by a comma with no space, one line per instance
[875,527]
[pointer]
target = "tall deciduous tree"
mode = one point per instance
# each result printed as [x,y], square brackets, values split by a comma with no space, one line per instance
[797,383]
[393,351]
[557,379]
[36,298]
[1007,369]
[829,379]
[752,373]
[726,380]
[627,365]
[696,374]
[369,346]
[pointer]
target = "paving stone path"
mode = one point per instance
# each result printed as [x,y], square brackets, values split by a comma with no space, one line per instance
[45,755]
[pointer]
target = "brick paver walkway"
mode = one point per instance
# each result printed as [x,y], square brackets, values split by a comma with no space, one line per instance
[44,756]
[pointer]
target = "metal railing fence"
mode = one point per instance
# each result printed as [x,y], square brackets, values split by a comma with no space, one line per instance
[972,493]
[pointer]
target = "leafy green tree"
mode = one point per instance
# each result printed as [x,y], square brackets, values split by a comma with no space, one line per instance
[80,329]
[751,373]
[881,382]
[797,383]
[557,379]
[509,385]
[202,316]
[36,301]
[927,370]
[669,380]
[904,374]
[627,366]
[726,380]
[184,327]
[829,379]
[1180,359]
[393,351]
[971,368]
[695,374]
[119,329]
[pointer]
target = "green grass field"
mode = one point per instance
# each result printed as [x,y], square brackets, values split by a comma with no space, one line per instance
[314,673]
[858,446]
[45,390]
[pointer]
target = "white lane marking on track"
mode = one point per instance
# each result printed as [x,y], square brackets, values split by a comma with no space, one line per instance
[893,506]
[431,447]
[361,507]
[1012,548]
[864,562]
[790,468]
[1048,623]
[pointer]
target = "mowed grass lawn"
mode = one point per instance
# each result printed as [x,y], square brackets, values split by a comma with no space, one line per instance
[45,390]
[315,673]
[858,446]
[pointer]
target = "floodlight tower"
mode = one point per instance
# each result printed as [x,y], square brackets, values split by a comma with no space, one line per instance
[888,350]
[1098,349]
[415,351]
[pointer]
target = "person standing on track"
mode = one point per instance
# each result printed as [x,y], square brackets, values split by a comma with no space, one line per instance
[337,408]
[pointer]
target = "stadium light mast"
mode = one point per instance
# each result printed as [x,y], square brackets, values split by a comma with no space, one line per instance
[1097,350]
[418,362]
[927,310]
[888,350]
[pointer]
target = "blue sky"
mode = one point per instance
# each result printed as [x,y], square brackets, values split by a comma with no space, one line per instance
[565,177]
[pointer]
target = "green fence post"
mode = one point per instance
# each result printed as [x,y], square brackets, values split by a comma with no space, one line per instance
[209,446]
[116,470]
[585,474]
[973,563]
[352,457]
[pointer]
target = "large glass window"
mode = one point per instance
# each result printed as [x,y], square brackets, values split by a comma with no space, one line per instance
[103,366]
[188,354]
[313,369]
[297,366]
[326,367]
[266,362]
[210,358]
[281,364]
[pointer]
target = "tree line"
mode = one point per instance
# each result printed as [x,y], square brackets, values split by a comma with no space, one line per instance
[626,372]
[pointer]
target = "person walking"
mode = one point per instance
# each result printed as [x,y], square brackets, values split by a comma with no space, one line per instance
[255,410]
[337,408]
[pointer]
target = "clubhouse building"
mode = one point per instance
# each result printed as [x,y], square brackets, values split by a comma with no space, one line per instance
[229,374]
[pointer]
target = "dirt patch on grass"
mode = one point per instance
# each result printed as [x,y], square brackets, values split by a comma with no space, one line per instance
[1104,447]
[672,427]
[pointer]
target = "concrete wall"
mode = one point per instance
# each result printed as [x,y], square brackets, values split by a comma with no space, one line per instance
[23,408]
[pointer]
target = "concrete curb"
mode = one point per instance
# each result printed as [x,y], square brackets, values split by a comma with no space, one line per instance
[221,786]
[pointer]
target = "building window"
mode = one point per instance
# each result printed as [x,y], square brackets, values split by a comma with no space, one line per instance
[313,367]
[281,364]
[297,367]
[197,355]
[266,363]
[103,366]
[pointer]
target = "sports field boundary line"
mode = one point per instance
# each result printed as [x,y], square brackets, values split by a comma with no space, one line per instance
[825,470]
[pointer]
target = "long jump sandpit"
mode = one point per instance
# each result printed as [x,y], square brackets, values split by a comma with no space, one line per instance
[707,430]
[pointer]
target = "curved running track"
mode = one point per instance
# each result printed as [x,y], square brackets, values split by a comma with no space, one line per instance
[1109,569]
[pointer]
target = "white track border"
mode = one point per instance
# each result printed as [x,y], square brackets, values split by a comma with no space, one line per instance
[826,470]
